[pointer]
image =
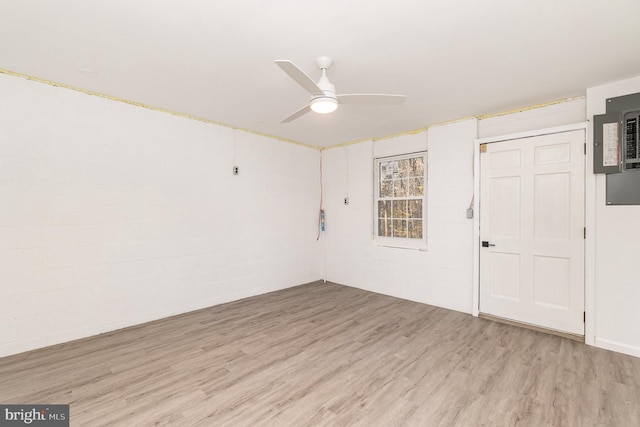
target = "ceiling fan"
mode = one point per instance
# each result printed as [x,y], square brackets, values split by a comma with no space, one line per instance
[324,99]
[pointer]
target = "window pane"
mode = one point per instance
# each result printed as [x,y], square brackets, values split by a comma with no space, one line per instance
[403,168]
[399,228]
[400,209]
[389,170]
[415,209]
[386,188]
[384,227]
[384,209]
[416,166]
[415,229]
[400,187]
[416,187]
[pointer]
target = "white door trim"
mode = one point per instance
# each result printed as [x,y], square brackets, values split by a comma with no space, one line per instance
[537,132]
[589,221]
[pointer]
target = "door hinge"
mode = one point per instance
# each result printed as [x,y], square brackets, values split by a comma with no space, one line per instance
[584,317]
[585,232]
[585,148]
[483,148]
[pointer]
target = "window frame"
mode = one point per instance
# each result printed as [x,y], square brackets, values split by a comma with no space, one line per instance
[398,242]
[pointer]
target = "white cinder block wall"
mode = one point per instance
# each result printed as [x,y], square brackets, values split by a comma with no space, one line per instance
[615,252]
[559,114]
[440,276]
[113,215]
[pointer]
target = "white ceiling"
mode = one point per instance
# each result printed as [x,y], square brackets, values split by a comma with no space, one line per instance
[214,59]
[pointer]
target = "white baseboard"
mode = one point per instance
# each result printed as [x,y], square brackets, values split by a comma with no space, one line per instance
[618,347]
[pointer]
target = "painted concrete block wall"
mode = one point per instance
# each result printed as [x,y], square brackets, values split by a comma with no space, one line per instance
[113,215]
[559,114]
[441,275]
[616,254]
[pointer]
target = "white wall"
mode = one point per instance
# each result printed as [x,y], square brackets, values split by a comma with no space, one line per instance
[615,254]
[562,113]
[440,276]
[113,215]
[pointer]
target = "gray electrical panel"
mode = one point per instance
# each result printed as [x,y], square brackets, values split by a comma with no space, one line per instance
[616,149]
[623,189]
[630,137]
[606,143]
[624,103]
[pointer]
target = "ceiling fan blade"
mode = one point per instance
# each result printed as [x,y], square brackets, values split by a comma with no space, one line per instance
[299,76]
[300,112]
[371,99]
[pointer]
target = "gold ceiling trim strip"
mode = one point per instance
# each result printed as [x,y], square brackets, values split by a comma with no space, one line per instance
[448,122]
[359,141]
[532,107]
[151,107]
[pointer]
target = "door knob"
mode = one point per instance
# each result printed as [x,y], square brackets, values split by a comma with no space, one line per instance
[486,244]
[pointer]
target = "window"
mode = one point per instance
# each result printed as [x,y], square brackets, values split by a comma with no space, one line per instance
[400,208]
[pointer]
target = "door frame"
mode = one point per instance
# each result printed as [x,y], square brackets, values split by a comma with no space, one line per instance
[589,276]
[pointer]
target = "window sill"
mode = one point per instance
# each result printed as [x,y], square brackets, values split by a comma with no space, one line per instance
[417,246]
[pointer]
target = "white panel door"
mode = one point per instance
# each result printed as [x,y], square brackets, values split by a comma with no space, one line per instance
[532,218]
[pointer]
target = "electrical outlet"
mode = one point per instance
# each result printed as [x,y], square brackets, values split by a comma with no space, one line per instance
[236,170]
[470,213]
[346,200]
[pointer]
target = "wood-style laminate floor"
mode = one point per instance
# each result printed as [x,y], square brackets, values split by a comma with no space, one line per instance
[325,354]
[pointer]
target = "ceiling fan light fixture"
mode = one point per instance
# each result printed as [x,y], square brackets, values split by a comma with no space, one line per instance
[324,104]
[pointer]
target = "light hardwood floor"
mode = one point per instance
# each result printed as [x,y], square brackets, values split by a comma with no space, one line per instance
[325,354]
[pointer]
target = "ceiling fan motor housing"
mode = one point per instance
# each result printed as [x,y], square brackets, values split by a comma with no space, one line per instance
[328,89]
[328,101]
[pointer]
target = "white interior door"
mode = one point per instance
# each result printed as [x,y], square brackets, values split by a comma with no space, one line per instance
[532,218]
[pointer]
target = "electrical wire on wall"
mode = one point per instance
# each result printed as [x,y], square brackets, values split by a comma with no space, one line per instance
[471,207]
[373,192]
[346,178]
[321,228]
[320,213]
[235,147]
